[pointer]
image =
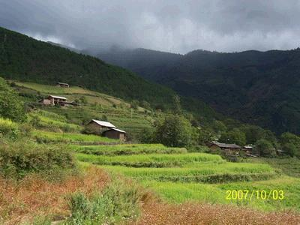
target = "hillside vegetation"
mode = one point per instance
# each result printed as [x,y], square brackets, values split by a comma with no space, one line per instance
[261,88]
[26,59]
[50,169]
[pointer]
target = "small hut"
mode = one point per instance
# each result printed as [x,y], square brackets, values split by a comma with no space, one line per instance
[248,149]
[64,85]
[98,126]
[115,134]
[54,100]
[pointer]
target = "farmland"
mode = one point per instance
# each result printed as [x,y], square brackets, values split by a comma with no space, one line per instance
[174,174]
[166,178]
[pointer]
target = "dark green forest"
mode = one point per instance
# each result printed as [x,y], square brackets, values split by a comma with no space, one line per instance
[261,88]
[26,59]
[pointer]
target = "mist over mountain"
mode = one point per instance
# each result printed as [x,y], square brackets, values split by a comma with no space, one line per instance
[257,87]
[148,63]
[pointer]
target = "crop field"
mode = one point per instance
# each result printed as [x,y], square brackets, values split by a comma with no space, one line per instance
[174,174]
[180,192]
[204,172]
[290,166]
[179,177]
[53,122]
[127,149]
[98,105]
[150,160]
[47,136]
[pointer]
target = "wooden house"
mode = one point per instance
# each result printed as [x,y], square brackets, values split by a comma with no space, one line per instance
[115,134]
[248,149]
[231,149]
[54,100]
[98,126]
[64,85]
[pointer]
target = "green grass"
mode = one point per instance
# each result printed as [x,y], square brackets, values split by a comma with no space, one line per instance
[72,93]
[46,137]
[53,124]
[208,172]
[216,193]
[289,166]
[150,160]
[128,149]
[53,88]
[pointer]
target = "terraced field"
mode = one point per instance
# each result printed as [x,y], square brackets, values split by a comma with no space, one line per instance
[178,176]
[173,173]
[128,149]
[47,136]
[97,106]
[150,160]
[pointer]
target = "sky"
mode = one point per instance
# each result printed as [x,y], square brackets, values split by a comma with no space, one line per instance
[177,26]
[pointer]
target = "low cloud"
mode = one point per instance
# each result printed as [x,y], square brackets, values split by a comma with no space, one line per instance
[175,26]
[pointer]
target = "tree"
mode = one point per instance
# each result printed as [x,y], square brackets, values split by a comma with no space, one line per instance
[265,148]
[174,131]
[219,126]
[204,136]
[290,143]
[234,136]
[177,105]
[290,149]
[11,106]
[253,133]
[146,136]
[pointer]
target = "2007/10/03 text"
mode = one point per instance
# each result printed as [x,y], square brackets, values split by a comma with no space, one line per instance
[255,194]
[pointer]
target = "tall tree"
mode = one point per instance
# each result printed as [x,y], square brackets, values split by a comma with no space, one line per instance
[174,131]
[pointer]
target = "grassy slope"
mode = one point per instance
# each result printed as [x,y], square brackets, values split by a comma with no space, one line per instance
[116,110]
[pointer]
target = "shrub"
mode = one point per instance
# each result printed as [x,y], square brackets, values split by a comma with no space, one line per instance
[25,129]
[290,149]
[290,143]
[118,202]
[146,136]
[264,148]
[134,104]
[11,106]
[8,128]
[19,158]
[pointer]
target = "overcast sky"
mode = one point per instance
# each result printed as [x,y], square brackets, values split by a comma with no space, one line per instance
[167,25]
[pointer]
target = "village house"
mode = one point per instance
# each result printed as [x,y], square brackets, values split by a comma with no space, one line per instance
[105,129]
[64,85]
[115,134]
[54,100]
[231,149]
[98,126]
[248,149]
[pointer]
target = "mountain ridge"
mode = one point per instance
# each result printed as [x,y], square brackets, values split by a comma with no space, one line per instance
[259,87]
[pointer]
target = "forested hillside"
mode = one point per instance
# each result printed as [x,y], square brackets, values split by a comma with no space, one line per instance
[26,59]
[252,86]
[148,63]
